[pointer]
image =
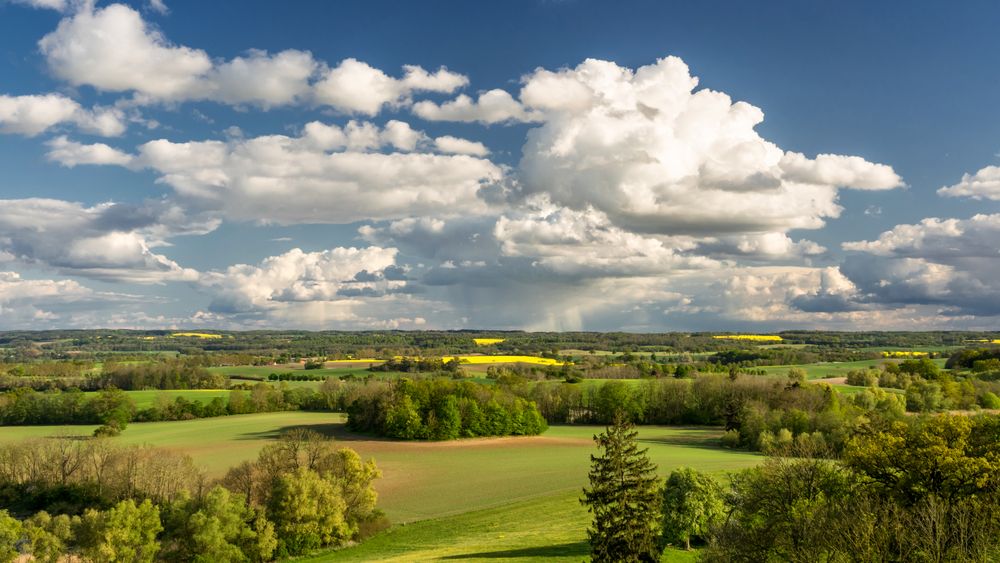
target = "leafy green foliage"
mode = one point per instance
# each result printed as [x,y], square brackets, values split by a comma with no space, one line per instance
[124,534]
[217,528]
[308,512]
[440,409]
[10,533]
[692,505]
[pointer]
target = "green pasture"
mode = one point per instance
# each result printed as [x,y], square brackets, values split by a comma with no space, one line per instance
[423,480]
[547,528]
[146,399]
[823,370]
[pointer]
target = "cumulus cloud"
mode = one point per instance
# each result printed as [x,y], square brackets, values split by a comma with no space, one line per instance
[493,106]
[984,184]
[57,5]
[108,241]
[356,87]
[455,145]
[762,246]
[572,242]
[329,174]
[952,263]
[30,303]
[34,114]
[260,78]
[658,156]
[71,154]
[332,286]
[114,50]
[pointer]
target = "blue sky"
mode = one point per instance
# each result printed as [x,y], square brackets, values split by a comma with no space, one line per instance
[306,165]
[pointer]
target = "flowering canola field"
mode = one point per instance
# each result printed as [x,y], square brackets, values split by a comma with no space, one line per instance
[904,354]
[505,360]
[195,335]
[487,341]
[751,337]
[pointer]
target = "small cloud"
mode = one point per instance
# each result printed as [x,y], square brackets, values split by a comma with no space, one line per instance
[159,7]
[873,211]
[282,239]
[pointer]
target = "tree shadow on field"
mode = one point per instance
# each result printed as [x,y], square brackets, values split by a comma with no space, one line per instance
[335,430]
[581,548]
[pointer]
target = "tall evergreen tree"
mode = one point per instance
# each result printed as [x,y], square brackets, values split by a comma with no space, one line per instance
[624,498]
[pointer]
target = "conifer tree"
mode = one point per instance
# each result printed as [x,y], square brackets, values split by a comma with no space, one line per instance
[624,497]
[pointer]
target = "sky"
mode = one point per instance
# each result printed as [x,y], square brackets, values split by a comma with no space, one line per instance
[537,164]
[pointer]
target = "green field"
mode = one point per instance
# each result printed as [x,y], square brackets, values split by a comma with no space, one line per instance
[261,372]
[823,370]
[146,399]
[425,479]
[549,528]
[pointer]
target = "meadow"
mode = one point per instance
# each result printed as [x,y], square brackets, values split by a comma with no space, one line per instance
[465,498]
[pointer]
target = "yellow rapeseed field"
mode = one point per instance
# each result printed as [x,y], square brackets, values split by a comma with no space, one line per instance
[195,335]
[904,354]
[506,360]
[487,341]
[751,337]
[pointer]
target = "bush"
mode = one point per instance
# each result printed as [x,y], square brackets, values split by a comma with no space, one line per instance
[107,431]
[731,439]
[989,400]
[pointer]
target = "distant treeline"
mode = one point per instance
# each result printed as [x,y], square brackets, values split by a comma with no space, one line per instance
[261,347]
[930,389]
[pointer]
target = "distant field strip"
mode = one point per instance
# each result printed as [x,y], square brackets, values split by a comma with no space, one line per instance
[505,360]
[750,337]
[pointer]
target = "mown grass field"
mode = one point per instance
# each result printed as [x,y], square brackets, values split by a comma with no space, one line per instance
[145,399]
[549,528]
[424,480]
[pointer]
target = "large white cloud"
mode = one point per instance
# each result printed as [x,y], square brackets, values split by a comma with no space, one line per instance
[113,49]
[984,184]
[569,242]
[108,241]
[657,156]
[339,287]
[34,114]
[952,263]
[260,78]
[329,174]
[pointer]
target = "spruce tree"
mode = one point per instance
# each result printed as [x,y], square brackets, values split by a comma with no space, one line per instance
[624,497]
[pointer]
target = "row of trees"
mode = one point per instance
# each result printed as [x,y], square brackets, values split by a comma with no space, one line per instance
[927,489]
[101,502]
[757,413]
[929,389]
[441,409]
